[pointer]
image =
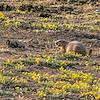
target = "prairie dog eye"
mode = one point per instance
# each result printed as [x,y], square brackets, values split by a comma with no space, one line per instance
[59,43]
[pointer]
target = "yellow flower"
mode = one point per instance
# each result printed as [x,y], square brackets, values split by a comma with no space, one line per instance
[97,97]
[35,76]
[19,80]
[59,84]
[86,77]
[66,86]
[55,91]
[3,78]
[81,86]
[41,93]
[2,16]
[17,89]
[89,93]
[37,60]
[75,75]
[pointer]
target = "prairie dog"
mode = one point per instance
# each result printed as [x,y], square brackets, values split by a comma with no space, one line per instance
[73,46]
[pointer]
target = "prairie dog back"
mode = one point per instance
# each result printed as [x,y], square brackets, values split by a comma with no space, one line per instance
[77,47]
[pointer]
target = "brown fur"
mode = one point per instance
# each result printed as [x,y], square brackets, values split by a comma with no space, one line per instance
[77,47]
[73,46]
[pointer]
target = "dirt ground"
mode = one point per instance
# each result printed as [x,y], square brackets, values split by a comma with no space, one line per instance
[36,38]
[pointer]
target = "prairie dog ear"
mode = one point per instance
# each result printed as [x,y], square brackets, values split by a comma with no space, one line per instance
[61,42]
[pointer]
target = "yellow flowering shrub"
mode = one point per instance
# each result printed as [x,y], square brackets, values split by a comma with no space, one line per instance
[80,86]
[19,80]
[41,93]
[2,16]
[33,75]
[3,78]
[37,60]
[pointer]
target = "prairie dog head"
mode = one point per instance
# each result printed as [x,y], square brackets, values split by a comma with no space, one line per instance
[62,44]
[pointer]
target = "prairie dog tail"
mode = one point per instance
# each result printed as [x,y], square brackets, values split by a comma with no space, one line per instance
[90,52]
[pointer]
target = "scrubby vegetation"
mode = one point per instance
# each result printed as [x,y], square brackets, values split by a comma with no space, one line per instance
[39,71]
[22,76]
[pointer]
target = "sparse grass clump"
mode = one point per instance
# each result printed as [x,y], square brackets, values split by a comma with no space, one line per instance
[20,12]
[3,78]
[96,68]
[14,23]
[65,82]
[72,56]
[45,26]
[74,26]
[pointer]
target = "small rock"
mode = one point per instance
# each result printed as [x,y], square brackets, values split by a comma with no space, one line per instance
[15,44]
